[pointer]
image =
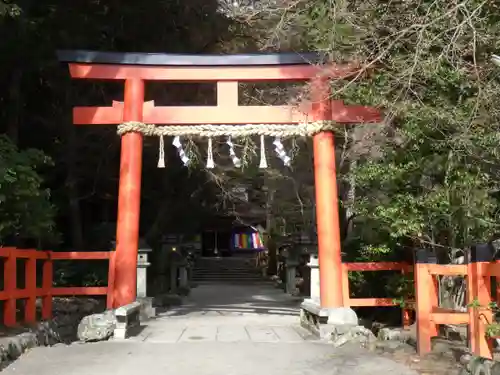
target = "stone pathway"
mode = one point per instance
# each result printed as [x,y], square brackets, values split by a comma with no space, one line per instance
[221,329]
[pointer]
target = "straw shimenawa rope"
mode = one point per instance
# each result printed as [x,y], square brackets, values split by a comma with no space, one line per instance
[205,131]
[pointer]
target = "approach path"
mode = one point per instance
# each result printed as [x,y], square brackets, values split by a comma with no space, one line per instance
[221,329]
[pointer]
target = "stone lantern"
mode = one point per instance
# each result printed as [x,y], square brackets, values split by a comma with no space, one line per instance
[142,266]
[306,246]
[305,243]
[147,309]
[291,260]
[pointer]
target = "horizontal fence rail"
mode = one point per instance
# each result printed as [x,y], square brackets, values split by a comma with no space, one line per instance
[31,292]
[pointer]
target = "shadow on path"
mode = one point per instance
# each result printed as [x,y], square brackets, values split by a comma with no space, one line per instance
[227,299]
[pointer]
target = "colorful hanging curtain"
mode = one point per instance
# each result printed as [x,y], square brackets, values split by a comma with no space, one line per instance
[248,241]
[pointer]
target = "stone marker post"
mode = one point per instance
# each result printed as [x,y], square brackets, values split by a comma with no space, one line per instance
[314,277]
[147,310]
[142,266]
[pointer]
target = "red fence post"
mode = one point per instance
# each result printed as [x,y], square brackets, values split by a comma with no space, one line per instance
[423,284]
[405,311]
[434,299]
[111,280]
[479,294]
[345,285]
[30,285]
[48,269]
[10,285]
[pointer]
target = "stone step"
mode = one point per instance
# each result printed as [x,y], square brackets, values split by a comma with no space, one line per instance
[233,282]
[230,276]
[226,271]
[239,269]
[229,272]
[234,272]
[227,277]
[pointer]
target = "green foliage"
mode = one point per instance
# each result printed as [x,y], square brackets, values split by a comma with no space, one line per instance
[492,328]
[9,9]
[37,96]
[427,176]
[81,273]
[25,208]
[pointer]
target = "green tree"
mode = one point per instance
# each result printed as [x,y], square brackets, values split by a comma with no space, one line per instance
[25,208]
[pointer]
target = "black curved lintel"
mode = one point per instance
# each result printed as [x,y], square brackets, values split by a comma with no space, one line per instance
[166,59]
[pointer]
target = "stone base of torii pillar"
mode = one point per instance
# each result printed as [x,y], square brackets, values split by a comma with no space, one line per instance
[324,322]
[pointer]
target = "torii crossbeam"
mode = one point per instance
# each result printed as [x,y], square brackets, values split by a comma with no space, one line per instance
[227,71]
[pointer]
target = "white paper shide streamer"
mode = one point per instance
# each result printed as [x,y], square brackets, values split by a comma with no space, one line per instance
[161,153]
[280,151]
[210,156]
[263,161]
[178,145]
[236,160]
[176,142]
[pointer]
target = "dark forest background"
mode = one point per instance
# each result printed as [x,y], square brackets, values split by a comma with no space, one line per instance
[427,177]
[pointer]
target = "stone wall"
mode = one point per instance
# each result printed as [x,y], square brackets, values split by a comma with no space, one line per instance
[62,329]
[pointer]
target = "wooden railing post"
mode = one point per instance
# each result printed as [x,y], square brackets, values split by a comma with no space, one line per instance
[345,285]
[48,269]
[434,298]
[479,295]
[30,286]
[405,311]
[424,293]
[10,285]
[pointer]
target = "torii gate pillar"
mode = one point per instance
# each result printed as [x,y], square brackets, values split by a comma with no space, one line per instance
[327,211]
[129,198]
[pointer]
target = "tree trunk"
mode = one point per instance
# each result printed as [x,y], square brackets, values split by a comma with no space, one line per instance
[351,197]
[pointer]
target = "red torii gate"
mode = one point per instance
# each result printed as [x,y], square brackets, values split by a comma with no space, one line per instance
[227,71]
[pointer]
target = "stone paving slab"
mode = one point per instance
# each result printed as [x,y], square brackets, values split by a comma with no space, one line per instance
[178,332]
[199,333]
[232,334]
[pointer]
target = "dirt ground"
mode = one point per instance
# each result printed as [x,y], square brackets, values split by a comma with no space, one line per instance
[443,361]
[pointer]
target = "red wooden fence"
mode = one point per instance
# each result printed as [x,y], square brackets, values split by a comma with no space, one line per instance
[365,302]
[30,293]
[428,313]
